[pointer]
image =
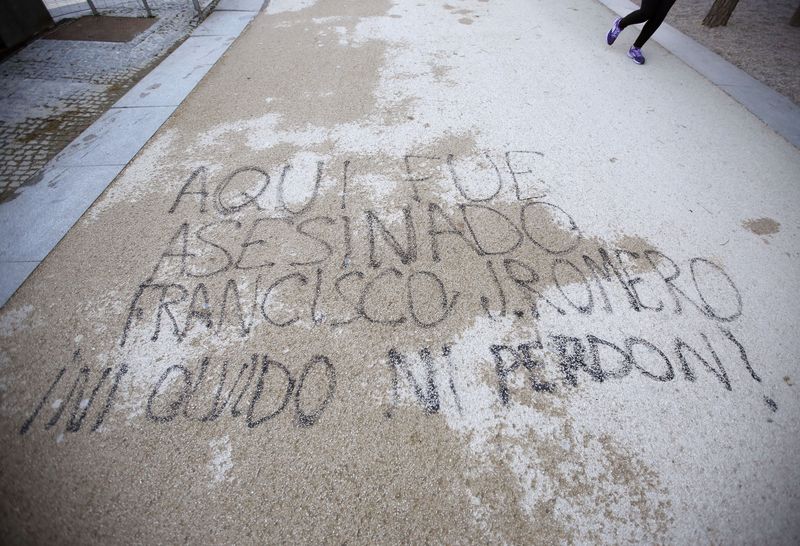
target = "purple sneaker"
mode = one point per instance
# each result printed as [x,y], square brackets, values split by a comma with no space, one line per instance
[636,54]
[614,32]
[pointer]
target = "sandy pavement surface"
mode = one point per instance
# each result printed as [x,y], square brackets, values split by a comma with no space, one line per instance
[417,272]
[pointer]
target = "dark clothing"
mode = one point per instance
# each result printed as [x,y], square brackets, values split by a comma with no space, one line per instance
[652,14]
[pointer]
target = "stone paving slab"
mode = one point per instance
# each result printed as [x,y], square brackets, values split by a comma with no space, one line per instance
[114,138]
[39,214]
[240,5]
[170,82]
[44,212]
[12,275]
[224,23]
[52,90]
[775,110]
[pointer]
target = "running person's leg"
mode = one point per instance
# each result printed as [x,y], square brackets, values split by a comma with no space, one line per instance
[652,13]
[647,11]
[654,21]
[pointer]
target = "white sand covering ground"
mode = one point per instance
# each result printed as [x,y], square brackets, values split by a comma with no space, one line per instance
[415,272]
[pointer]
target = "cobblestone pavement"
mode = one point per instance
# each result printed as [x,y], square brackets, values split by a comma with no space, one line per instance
[52,90]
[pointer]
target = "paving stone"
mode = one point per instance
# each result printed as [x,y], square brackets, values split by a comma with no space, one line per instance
[65,193]
[169,83]
[240,5]
[11,276]
[52,90]
[114,138]
[224,23]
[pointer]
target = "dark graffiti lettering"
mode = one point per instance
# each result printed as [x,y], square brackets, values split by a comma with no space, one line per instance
[258,243]
[181,239]
[301,279]
[632,281]
[705,294]
[318,240]
[683,349]
[266,365]
[525,277]
[411,177]
[521,356]
[655,258]
[571,354]
[527,214]
[228,259]
[366,300]
[165,306]
[632,342]
[355,306]
[407,253]
[426,392]
[460,187]
[436,297]
[499,238]
[226,203]
[173,408]
[624,356]
[198,175]
[499,288]
[309,418]
[602,272]
[29,421]
[515,173]
[315,192]
[437,215]
[742,354]
[589,305]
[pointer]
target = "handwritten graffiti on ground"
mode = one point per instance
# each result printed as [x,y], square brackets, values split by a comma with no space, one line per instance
[260,255]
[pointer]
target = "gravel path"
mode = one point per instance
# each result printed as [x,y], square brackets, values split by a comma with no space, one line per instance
[757,39]
[416,272]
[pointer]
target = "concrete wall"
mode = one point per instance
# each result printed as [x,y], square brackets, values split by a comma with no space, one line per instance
[20,20]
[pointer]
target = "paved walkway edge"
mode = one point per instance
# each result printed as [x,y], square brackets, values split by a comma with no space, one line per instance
[777,111]
[41,213]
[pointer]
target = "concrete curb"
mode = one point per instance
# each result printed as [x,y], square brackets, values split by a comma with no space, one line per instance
[778,112]
[40,214]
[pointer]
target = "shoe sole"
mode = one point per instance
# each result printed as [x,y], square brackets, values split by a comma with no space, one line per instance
[634,59]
